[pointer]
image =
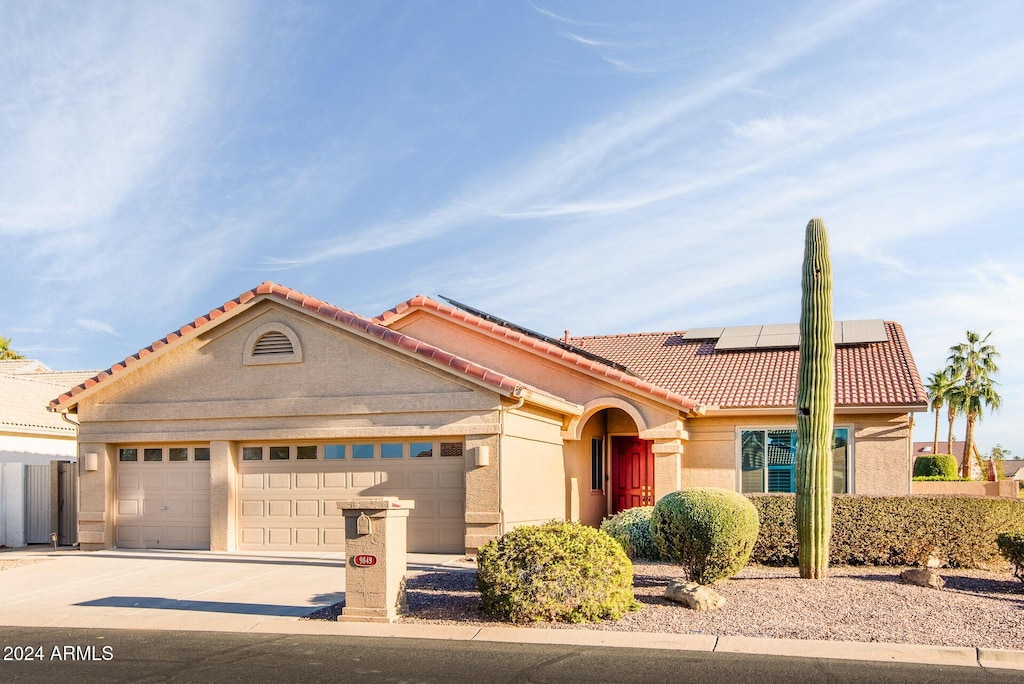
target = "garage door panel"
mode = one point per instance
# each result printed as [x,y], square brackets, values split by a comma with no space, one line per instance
[154,481]
[334,538]
[280,536]
[127,535]
[128,508]
[177,508]
[335,480]
[201,509]
[252,536]
[179,481]
[252,481]
[451,508]
[307,480]
[307,536]
[280,509]
[421,479]
[279,481]
[201,481]
[252,509]
[450,480]
[307,509]
[128,482]
[362,480]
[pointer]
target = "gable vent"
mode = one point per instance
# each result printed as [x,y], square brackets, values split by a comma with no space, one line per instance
[272,343]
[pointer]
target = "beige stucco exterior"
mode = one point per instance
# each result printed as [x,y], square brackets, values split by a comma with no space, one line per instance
[526,458]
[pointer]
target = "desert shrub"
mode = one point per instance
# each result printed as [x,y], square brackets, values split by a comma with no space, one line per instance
[941,466]
[558,571]
[1011,545]
[710,532]
[894,530]
[941,478]
[632,529]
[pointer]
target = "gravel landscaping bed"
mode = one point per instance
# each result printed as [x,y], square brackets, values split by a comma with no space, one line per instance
[976,609]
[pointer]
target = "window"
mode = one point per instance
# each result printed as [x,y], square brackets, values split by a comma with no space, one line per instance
[768,460]
[201,454]
[451,450]
[127,455]
[305,453]
[279,453]
[391,451]
[333,452]
[252,453]
[362,451]
[177,454]
[597,464]
[151,454]
[421,450]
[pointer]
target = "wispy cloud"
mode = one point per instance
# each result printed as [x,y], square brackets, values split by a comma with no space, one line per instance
[96,326]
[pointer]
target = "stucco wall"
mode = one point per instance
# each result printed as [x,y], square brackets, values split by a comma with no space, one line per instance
[880,450]
[533,477]
[36,450]
[592,505]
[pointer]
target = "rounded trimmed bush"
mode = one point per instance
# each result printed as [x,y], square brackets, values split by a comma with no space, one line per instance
[709,531]
[1011,545]
[937,465]
[558,571]
[632,529]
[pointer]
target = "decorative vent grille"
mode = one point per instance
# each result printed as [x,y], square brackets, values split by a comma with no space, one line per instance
[272,343]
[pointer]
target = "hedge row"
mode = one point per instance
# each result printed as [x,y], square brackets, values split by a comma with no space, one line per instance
[894,530]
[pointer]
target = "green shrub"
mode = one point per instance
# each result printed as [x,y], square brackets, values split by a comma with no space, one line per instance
[1011,545]
[632,529]
[894,530]
[710,532]
[557,571]
[940,466]
[941,478]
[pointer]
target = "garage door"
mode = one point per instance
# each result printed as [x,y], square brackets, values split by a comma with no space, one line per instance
[288,494]
[163,498]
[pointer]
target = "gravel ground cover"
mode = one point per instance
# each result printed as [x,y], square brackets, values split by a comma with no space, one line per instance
[7,564]
[976,609]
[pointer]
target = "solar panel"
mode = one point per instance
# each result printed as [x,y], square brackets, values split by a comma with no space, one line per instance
[786,335]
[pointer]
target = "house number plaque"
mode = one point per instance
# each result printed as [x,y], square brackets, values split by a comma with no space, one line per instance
[364,560]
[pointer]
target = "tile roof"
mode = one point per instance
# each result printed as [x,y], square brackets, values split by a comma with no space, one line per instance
[871,374]
[24,396]
[650,386]
[508,385]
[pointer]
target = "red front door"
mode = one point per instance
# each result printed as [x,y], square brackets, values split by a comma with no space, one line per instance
[632,473]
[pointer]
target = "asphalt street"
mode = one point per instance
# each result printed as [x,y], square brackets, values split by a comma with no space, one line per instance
[32,654]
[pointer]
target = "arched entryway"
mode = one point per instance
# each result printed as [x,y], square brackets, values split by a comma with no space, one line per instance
[611,468]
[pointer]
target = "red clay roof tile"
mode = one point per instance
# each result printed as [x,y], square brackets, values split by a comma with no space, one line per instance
[352,320]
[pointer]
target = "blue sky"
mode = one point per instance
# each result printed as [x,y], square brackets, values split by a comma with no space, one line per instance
[591,166]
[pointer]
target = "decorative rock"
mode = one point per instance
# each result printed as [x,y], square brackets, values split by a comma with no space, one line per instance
[933,562]
[693,595]
[922,577]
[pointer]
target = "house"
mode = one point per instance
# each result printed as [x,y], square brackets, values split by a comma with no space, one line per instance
[242,429]
[1013,469]
[925,448]
[37,453]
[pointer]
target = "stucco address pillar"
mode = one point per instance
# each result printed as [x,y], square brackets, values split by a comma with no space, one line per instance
[97,482]
[223,479]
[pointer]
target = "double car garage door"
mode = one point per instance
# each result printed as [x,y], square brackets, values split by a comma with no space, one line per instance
[287,494]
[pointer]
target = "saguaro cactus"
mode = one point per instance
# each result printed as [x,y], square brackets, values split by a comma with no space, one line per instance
[815,406]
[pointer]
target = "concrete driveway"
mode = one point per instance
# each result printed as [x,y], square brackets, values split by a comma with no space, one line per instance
[155,589]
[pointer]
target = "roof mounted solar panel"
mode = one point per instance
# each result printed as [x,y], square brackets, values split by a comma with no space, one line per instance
[540,336]
[703,334]
[862,332]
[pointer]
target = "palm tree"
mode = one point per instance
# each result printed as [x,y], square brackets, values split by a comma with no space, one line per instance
[938,387]
[6,353]
[975,361]
[972,397]
[975,358]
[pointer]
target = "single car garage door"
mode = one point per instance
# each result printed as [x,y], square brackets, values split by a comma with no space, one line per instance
[163,498]
[288,494]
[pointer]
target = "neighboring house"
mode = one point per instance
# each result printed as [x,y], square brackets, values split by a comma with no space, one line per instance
[242,430]
[1013,469]
[37,455]
[925,448]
